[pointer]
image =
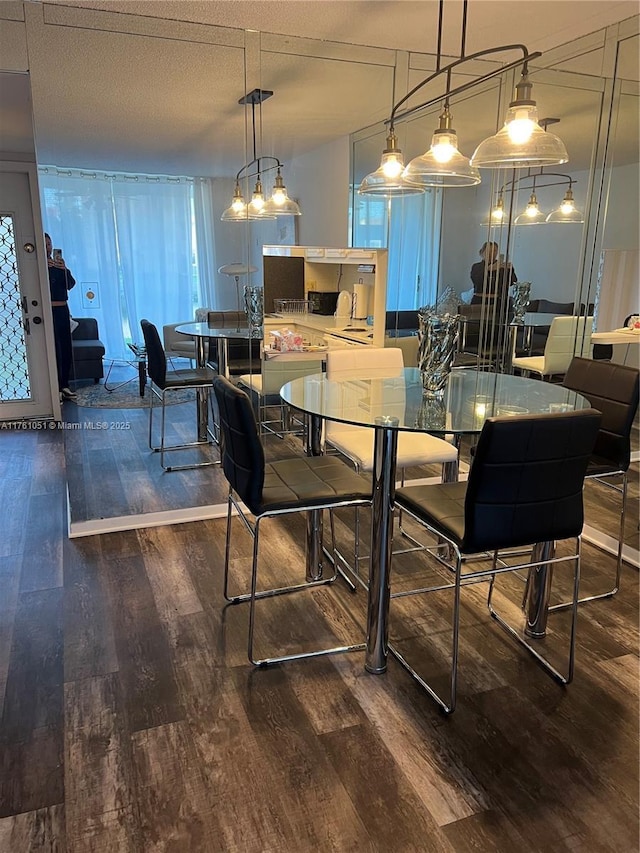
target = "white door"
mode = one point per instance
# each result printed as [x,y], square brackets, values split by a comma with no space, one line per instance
[25,387]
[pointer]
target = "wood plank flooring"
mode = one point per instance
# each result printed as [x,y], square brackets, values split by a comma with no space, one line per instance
[132,721]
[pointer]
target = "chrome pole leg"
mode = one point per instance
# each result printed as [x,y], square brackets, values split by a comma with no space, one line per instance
[384,474]
[538,592]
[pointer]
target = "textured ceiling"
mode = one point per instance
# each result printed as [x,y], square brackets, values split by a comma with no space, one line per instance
[160,97]
[397,24]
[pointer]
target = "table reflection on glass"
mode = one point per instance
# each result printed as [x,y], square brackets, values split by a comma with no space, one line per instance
[203,333]
[397,403]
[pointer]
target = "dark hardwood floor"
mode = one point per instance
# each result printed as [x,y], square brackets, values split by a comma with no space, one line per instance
[132,721]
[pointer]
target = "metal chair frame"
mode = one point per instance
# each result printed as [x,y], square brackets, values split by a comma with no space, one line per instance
[602,478]
[387,361]
[162,448]
[466,578]
[254,595]
[155,349]
[513,475]
[240,434]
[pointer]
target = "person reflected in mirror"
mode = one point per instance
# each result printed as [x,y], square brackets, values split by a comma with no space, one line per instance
[60,283]
[491,276]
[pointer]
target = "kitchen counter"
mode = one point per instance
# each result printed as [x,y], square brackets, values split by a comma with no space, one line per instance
[340,327]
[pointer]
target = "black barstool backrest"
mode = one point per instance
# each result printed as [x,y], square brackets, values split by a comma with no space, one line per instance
[241,451]
[156,358]
[545,306]
[525,484]
[613,390]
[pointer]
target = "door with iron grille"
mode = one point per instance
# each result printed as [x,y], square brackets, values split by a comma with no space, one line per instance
[25,388]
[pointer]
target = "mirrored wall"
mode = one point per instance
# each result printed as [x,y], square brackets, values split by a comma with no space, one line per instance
[587,94]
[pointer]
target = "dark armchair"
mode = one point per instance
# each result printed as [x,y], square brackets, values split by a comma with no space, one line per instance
[87,350]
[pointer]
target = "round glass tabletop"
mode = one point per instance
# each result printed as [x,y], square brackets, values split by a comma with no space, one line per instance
[203,330]
[470,397]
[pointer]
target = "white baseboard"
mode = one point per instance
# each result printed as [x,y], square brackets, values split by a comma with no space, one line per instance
[610,545]
[119,523]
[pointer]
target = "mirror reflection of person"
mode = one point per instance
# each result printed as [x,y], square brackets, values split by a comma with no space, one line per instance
[60,283]
[491,277]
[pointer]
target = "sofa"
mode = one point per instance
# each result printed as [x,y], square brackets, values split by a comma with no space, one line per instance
[87,350]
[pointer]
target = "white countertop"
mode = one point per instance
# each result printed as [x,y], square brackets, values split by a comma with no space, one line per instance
[617,336]
[342,326]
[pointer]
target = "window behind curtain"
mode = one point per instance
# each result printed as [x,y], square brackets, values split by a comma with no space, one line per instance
[409,227]
[130,240]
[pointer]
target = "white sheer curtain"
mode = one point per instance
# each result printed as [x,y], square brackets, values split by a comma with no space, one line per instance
[205,216]
[130,241]
[409,227]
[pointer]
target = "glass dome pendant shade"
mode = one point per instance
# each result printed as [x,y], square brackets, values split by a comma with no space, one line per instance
[237,211]
[442,165]
[567,212]
[497,213]
[532,214]
[280,204]
[521,143]
[388,179]
[257,207]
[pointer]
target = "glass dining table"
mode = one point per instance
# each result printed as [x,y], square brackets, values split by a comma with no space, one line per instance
[203,333]
[390,405]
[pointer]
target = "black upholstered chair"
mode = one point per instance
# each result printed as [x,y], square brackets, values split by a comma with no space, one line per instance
[298,484]
[163,382]
[524,488]
[613,390]
[243,356]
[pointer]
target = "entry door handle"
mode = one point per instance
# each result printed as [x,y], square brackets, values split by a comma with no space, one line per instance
[27,325]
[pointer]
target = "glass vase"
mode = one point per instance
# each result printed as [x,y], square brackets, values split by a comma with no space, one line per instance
[437,346]
[254,308]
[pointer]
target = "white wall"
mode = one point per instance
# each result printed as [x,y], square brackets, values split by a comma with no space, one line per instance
[319,181]
[622,226]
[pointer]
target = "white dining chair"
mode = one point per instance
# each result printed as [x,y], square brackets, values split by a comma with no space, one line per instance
[356,443]
[568,337]
[264,388]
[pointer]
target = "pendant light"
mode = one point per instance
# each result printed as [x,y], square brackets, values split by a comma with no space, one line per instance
[521,142]
[388,178]
[280,204]
[259,208]
[532,215]
[237,210]
[567,211]
[497,214]
[442,165]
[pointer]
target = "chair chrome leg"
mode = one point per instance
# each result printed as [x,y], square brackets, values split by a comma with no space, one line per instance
[553,671]
[450,706]
[227,548]
[162,428]
[254,596]
[151,396]
[565,605]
